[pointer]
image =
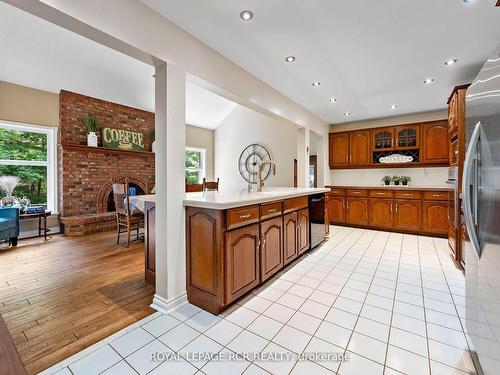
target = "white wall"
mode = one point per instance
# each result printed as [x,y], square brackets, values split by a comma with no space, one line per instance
[435,176]
[244,127]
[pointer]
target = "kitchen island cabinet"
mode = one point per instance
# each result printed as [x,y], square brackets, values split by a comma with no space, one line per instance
[235,241]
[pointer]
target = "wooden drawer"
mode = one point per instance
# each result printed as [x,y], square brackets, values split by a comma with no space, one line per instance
[381,193]
[357,193]
[269,210]
[436,195]
[335,191]
[237,217]
[407,195]
[294,204]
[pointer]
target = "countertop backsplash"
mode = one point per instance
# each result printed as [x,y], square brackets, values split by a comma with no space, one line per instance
[436,176]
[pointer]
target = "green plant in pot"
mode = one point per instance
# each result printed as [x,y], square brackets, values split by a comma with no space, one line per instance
[396,180]
[387,180]
[405,180]
[90,123]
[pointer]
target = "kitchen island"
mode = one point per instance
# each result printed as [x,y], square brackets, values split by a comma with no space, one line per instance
[236,240]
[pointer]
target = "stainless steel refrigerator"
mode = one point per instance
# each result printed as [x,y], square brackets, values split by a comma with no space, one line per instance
[481,210]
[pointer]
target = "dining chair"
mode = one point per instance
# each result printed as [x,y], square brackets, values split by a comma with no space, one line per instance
[191,188]
[127,217]
[210,185]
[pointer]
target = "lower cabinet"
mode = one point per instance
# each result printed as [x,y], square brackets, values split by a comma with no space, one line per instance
[302,230]
[242,261]
[435,217]
[271,250]
[407,215]
[381,213]
[290,237]
[336,209]
[357,211]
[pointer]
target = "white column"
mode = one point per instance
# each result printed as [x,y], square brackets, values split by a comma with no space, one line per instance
[170,112]
[303,157]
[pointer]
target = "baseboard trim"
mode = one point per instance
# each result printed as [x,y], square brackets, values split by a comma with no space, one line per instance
[167,305]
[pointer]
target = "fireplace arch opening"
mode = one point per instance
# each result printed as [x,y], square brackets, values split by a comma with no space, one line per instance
[134,189]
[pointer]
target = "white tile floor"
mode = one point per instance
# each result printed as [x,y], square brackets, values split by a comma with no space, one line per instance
[388,303]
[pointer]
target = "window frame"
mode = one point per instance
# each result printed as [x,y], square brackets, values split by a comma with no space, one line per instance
[50,164]
[202,169]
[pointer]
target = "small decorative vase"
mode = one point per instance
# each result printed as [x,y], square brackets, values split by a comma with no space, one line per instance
[405,183]
[9,201]
[387,183]
[92,139]
[396,182]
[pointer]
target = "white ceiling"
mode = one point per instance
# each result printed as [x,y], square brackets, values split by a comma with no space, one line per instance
[368,54]
[39,54]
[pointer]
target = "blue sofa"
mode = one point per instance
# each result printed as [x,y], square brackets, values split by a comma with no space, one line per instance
[9,224]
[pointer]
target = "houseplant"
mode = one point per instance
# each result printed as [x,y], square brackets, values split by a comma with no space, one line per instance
[387,180]
[405,180]
[396,179]
[8,184]
[90,124]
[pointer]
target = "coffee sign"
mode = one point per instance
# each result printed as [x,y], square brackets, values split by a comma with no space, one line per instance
[122,139]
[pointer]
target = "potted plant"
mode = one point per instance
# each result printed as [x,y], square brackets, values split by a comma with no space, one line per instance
[405,180]
[387,180]
[90,124]
[396,179]
[153,141]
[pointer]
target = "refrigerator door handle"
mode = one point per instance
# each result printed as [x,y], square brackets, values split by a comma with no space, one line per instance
[470,171]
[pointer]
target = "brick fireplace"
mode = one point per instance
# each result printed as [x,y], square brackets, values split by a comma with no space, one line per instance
[86,174]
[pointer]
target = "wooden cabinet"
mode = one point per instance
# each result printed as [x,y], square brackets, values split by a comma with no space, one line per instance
[435,217]
[242,261]
[339,149]
[231,251]
[357,211]
[359,148]
[407,214]
[362,148]
[290,237]
[381,213]
[435,148]
[336,211]
[271,252]
[407,137]
[302,230]
[382,139]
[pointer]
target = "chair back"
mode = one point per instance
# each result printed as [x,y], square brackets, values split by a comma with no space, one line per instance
[210,185]
[121,199]
[191,188]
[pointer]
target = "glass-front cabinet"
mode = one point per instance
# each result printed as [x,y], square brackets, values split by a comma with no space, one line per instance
[407,137]
[383,139]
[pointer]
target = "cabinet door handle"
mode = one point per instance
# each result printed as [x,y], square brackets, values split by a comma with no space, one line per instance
[272,210]
[258,241]
[263,241]
[396,205]
[436,195]
[245,216]
[391,207]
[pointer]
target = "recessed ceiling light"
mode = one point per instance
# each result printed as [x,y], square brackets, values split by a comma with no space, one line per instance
[316,83]
[428,80]
[290,58]
[393,107]
[451,62]
[347,114]
[332,100]
[246,15]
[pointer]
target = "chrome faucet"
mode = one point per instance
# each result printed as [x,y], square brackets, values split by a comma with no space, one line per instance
[261,165]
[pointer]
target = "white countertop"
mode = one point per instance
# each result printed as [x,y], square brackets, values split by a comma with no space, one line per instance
[144,198]
[238,198]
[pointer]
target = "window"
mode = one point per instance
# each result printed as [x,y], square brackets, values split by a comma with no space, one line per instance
[195,165]
[28,152]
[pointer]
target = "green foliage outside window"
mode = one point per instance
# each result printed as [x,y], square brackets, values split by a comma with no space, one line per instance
[193,163]
[27,146]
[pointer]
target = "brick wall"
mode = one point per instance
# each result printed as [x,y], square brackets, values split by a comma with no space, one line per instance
[85,175]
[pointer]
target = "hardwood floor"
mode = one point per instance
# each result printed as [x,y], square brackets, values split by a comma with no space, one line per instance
[60,296]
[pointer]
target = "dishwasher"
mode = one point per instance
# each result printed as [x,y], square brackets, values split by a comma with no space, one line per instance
[316,219]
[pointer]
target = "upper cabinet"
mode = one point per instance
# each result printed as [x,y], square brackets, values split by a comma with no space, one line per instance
[339,149]
[407,137]
[435,142]
[383,139]
[359,148]
[419,143]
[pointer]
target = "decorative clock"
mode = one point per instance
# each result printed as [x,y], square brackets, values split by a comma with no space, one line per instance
[248,163]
